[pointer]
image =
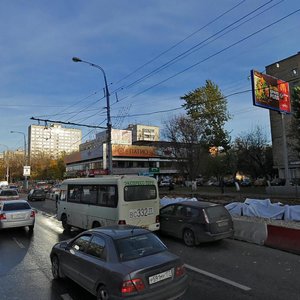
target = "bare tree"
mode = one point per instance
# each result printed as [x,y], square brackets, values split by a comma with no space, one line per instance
[254,153]
[187,146]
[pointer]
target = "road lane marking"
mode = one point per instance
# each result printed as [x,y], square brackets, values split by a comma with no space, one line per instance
[228,281]
[66,297]
[18,243]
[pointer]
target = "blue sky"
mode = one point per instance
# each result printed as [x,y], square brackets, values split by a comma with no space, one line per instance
[39,38]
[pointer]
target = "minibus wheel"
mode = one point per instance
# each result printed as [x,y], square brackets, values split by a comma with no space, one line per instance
[96,224]
[64,221]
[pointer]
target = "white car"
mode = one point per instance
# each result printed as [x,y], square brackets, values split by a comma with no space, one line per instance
[16,213]
[9,194]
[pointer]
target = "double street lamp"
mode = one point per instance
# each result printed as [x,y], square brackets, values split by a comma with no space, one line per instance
[25,155]
[109,147]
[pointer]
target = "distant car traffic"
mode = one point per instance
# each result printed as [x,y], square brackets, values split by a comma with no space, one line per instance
[9,194]
[120,262]
[246,182]
[196,221]
[164,183]
[36,194]
[16,213]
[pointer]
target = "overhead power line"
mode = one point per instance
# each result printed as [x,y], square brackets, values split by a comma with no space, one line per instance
[181,41]
[203,43]
[217,53]
[66,123]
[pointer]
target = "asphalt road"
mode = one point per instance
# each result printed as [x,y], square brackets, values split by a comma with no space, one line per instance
[230,269]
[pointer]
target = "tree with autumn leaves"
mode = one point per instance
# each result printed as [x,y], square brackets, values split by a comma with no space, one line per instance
[192,134]
[42,166]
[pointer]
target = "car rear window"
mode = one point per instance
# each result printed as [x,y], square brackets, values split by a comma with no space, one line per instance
[9,193]
[15,206]
[39,192]
[139,246]
[217,212]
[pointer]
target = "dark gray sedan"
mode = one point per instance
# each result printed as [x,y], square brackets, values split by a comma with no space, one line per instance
[120,262]
[196,221]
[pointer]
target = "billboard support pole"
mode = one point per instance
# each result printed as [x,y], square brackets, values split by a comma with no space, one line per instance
[285,153]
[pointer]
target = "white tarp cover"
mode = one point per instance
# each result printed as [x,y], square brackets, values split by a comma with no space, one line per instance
[292,213]
[165,200]
[265,209]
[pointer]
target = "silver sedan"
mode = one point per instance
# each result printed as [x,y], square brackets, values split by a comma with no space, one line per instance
[16,213]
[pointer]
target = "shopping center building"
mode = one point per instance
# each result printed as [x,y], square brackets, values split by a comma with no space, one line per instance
[136,150]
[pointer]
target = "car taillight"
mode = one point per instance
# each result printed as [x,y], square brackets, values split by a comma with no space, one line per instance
[180,271]
[122,222]
[205,216]
[131,286]
[157,219]
[32,215]
[2,216]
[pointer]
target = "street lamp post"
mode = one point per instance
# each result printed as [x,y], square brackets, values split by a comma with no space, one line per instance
[25,156]
[109,147]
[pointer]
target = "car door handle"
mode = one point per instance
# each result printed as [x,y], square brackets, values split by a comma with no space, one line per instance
[180,220]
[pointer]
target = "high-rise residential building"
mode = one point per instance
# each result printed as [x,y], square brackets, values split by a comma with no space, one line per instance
[288,70]
[52,140]
[144,132]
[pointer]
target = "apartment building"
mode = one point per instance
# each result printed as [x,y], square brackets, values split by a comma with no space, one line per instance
[288,70]
[144,132]
[53,140]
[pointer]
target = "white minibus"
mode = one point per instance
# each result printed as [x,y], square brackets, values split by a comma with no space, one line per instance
[92,202]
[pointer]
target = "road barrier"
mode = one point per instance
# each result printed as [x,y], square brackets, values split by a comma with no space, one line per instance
[283,238]
[250,231]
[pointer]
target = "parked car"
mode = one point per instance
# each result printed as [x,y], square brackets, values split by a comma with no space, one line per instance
[260,182]
[53,193]
[16,213]
[164,183]
[196,221]
[14,187]
[9,194]
[36,194]
[278,181]
[120,262]
[246,182]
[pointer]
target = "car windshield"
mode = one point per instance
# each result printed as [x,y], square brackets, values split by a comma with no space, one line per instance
[217,212]
[15,206]
[139,246]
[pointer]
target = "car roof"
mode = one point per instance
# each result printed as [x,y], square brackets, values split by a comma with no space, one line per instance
[120,231]
[4,190]
[197,204]
[13,201]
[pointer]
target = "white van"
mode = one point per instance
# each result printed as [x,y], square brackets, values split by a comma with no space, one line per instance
[92,202]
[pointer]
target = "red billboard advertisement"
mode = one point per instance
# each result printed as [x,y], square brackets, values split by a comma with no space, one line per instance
[270,92]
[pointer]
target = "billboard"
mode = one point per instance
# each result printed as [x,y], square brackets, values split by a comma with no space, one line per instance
[270,92]
[118,136]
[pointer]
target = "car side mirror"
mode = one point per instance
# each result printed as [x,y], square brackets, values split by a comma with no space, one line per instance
[64,245]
